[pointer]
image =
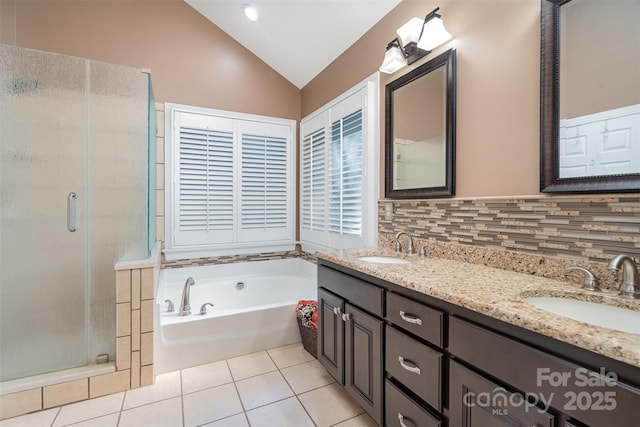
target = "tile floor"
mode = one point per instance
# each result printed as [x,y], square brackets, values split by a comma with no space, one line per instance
[281,387]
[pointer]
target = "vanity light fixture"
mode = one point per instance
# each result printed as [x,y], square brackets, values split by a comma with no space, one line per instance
[251,12]
[416,38]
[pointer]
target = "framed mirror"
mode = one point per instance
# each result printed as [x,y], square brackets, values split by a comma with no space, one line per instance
[590,96]
[420,126]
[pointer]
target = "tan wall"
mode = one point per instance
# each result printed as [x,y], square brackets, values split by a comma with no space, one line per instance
[599,58]
[191,60]
[498,59]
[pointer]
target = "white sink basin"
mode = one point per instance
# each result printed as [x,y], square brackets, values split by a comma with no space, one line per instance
[383,259]
[607,316]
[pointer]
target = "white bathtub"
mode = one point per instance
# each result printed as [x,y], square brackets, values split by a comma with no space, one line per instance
[258,315]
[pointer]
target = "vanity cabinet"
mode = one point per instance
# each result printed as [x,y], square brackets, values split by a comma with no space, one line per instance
[565,393]
[350,337]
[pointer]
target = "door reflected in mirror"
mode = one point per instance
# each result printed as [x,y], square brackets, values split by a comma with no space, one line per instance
[420,131]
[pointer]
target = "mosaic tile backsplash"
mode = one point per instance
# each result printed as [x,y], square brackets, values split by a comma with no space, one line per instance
[534,235]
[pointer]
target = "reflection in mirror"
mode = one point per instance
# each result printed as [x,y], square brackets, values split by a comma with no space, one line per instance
[420,127]
[590,63]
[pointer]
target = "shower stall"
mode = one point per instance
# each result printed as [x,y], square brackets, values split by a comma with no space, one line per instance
[75,150]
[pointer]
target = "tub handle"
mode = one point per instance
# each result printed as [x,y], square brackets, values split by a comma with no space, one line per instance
[170,306]
[203,308]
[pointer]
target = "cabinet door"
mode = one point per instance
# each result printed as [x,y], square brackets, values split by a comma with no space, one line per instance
[363,360]
[331,334]
[477,402]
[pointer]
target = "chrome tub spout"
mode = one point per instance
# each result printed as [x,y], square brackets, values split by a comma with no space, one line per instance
[185,307]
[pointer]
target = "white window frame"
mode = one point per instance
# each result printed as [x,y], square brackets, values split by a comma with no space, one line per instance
[317,240]
[241,241]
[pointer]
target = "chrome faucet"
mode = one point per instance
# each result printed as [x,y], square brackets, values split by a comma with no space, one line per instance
[630,286]
[185,308]
[410,249]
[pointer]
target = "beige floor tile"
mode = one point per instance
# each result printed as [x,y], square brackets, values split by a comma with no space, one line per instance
[110,420]
[285,413]
[239,420]
[290,355]
[210,405]
[307,376]
[158,414]
[363,420]
[263,389]
[251,365]
[166,386]
[205,376]
[37,419]
[329,405]
[89,409]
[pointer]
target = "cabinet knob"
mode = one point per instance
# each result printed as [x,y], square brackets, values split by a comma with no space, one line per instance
[346,317]
[336,311]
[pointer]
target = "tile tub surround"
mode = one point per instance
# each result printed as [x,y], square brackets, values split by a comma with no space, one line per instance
[229,259]
[499,294]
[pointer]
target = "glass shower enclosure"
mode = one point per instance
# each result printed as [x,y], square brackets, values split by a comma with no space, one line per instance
[74,200]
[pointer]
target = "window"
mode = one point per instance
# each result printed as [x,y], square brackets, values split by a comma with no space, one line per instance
[338,197]
[232,183]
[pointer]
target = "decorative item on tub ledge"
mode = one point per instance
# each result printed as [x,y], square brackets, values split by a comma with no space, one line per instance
[307,316]
[416,38]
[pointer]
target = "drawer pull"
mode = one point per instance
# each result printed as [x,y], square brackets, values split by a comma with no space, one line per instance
[402,420]
[409,365]
[410,318]
[336,311]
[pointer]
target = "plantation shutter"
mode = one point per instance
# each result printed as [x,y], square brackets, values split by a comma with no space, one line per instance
[265,198]
[232,181]
[345,199]
[204,179]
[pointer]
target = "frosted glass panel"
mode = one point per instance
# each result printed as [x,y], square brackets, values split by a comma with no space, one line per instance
[118,179]
[42,264]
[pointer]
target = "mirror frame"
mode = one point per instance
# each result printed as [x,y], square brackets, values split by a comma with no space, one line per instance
[447,60]
[550,182]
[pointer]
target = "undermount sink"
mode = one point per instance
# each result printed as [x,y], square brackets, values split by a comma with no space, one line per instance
[380,259]
[607,316]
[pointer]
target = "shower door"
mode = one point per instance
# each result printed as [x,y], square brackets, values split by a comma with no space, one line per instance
[43,227]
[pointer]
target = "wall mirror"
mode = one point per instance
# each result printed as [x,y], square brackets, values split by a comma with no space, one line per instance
[420,131]
[590,96]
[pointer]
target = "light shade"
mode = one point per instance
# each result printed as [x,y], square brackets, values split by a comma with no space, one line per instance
[433,34]
[410,32]
[393,59]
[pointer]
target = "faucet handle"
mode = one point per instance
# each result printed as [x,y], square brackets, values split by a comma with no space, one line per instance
[590,282]
[398,246]
[423,250]
[203,307]
[170,307]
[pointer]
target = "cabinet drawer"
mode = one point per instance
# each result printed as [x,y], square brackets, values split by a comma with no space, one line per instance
[584,394]
[359,292]
[416,318]
[400,410]
[415,365]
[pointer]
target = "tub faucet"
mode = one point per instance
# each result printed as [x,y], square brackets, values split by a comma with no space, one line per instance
[185,308]
[630,286]
[410,249]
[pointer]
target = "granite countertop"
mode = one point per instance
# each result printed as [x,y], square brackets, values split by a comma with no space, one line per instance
[499,294]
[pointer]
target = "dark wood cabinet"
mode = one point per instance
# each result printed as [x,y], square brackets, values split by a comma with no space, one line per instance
[350,340]
[476,401]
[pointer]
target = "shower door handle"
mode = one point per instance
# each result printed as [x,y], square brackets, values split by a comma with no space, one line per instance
[71,212]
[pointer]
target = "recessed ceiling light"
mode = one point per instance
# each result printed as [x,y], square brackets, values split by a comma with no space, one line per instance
[251,12]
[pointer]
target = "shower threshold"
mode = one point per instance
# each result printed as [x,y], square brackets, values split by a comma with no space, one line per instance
[58,377]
